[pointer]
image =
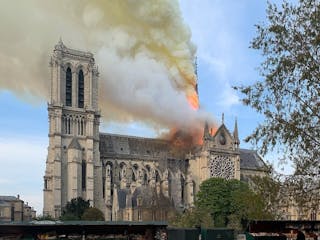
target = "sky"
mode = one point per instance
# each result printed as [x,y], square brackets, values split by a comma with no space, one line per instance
[221,31]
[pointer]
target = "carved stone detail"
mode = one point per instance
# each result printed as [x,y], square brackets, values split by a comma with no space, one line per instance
[221,166]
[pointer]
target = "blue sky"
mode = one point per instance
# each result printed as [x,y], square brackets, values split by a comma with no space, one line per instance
[221,30]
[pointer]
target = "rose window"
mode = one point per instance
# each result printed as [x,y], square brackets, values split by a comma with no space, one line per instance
[222,167]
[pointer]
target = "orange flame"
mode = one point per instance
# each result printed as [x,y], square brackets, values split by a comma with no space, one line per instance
[213,131]
[183,141]
[193,101]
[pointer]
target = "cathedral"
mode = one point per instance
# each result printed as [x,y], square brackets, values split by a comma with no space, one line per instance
[128,178]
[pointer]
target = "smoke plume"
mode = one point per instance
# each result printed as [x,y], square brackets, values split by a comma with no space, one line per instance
[142,48]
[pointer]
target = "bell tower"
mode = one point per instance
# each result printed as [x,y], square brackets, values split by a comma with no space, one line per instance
[73,167]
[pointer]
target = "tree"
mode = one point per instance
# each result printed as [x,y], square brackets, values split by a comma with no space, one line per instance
[193,217]
[214,196]
[44,218]
[75,209]
[299,192]
[230,202]
[287,195]
[270,189]
[289,93]
[92,214]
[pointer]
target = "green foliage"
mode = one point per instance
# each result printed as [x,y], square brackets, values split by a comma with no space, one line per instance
[44,218]
[230,202]
[281,192]
[303,192]
[92,214]
[79,209]
[75,209]
[289,94]
[214,196]
[270,189]
[192,218]
[68,216]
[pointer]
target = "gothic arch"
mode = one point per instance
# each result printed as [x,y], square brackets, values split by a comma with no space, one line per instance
[148,168]
[123,170]
[182,184]
[170,174]
[145,173]
[135,168]
[157,175]
[78,67]
[80,89]
[179,173]
[134,176]
[145,170]
[108,163]
[83,174]
[148,173]
[121,164]
[66,65]
[135,165]
[170,178]
[68,86]
[140,166]
[159,172]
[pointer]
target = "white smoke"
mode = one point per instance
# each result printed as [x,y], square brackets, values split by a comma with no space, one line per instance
[142,48]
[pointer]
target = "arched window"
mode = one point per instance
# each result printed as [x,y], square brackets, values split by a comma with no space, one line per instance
[80,89]
[45,184]
[145,178]
[169,184]
[103,187]
[84,174]
[68,87]
[157,177]
[182,188]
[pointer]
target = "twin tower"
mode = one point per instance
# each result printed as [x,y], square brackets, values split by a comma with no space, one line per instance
[73,163]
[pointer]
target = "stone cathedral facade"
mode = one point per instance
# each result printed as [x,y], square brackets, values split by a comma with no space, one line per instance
[128,178]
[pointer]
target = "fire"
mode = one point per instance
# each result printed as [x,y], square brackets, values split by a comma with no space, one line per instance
[193,100]
[183,141]
[186,139]
[213,131]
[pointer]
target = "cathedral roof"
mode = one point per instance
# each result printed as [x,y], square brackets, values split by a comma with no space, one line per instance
[8,198]
[112,144]
[250,159]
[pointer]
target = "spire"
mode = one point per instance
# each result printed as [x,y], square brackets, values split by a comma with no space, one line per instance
[222,118]
[60,45]
[196,66]
[235,133]
[196,74]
